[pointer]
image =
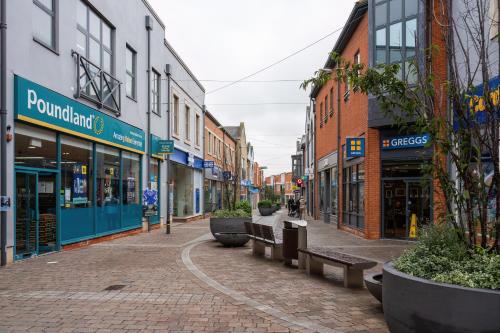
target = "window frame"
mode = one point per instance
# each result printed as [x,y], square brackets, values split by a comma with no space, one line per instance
[197,130]
[156,95]
[132,74]
[54,25]
[102,48]
[175,119]
[403,19]
[187,123]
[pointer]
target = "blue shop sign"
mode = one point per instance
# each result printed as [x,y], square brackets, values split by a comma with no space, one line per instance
[208,164]
[355,147]
[405,142]
[41,106]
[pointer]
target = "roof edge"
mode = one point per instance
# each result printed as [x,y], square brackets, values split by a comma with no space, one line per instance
[183,64]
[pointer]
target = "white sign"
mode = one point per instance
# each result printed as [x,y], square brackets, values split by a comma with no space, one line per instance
[5,204]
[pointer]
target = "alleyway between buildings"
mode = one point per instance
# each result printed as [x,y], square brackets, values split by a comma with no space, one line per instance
[186,282]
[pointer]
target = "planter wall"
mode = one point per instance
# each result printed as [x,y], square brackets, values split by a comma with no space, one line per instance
[230,231]
[417,305]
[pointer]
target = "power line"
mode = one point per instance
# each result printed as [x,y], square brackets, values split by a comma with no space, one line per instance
[253,104]
[277,62]
[253,81]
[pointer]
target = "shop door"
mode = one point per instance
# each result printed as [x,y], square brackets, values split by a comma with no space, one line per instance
[35,213]
[404,201]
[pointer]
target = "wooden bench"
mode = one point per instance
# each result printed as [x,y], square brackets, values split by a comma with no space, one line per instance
[353,266]
[263,236]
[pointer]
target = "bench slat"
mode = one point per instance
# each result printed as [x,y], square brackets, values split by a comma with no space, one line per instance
[342,258]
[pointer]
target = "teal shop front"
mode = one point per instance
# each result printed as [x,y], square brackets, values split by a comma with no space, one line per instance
[78,171]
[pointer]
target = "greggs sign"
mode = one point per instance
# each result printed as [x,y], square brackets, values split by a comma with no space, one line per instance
[41,106]
[405,142]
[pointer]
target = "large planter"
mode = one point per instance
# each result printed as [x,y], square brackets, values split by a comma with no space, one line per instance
[230,231]
[413,304]
[266,211]
[373,283]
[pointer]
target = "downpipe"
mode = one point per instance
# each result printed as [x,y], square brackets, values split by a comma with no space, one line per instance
[3,129]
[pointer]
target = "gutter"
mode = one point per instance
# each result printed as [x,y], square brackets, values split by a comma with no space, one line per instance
[3,129]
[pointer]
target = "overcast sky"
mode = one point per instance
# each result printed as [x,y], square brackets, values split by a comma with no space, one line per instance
[226,40]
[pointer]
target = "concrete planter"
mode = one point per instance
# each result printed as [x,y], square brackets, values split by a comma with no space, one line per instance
[230,231]
[413,304]
[373,283]
[266,211]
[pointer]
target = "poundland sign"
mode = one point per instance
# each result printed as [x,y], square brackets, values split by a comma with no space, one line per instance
[41,106]
[405,142]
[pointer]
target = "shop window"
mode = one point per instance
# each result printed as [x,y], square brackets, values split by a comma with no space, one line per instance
[108,176]
[353,195]
[44,23]
[131,175]
[76,173]
[322,191]
[35,147]
[333,191]
[183,190]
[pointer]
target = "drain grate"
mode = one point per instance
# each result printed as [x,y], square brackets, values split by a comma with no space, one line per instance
[115,287]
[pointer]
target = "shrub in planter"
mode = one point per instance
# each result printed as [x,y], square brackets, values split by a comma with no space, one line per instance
[266,207]
[244,205]
[227,226]
[442,285]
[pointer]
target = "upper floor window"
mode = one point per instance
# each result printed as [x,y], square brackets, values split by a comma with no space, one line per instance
[326,109]
[331,104]
[131,72]
[209,143]
[197,129]
[44,23]
[176,115]
[321,114]
[155,92]
[187,117]
[493,15]
[94,38]
[395,32]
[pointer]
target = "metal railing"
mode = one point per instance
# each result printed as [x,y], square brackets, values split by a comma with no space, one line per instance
[96,85]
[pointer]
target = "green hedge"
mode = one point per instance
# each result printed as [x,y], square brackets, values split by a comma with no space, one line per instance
[225,213]
[244,205]
[265,204]
[441,256]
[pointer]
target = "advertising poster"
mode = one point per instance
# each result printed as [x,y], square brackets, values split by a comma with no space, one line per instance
[79,184]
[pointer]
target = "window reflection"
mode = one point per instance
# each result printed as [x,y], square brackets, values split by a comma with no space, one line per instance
[108,176]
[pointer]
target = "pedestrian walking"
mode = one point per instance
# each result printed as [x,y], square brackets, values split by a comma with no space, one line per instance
[290,205]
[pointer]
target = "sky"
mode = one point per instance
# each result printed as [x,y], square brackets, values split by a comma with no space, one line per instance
[226,40]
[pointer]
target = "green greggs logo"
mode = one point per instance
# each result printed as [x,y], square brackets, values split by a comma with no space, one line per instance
[41,106]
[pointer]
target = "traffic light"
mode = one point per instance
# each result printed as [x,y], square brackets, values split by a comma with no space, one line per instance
[299,182]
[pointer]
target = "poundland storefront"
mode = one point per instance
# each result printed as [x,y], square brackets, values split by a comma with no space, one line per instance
[77,171]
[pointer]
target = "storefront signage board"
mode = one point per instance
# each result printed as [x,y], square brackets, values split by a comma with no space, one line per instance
[405,142]
[208,164]
[41,106]
[165,147]
[355,147]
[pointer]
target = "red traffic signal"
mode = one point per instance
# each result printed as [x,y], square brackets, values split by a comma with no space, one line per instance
[299,182]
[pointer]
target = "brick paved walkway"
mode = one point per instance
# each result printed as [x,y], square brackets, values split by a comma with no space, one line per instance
[186,282]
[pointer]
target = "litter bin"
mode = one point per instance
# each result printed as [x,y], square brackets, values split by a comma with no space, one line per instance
[290,243]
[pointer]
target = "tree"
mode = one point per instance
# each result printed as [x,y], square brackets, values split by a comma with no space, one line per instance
[461,114]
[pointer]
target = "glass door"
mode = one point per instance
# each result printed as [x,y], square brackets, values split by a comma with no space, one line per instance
[35,213]
[26,214]
[394,192]
[419,204]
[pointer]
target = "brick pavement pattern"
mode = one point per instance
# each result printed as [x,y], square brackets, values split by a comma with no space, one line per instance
[143,284]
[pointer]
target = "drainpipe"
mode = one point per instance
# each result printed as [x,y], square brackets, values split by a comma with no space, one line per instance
[149,27]
[3,130]
[167,71]
[339,152]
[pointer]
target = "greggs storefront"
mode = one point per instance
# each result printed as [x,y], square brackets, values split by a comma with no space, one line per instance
[77,171]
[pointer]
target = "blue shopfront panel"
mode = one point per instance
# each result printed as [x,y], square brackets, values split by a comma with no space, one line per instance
[132,216]
[76,224]
[108,218]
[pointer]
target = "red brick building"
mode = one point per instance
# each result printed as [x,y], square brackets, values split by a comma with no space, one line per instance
[220,147]
[378,191]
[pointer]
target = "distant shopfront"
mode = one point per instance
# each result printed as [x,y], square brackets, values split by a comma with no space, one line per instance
[213,189]
[77,171]
[328,189]
[186,175]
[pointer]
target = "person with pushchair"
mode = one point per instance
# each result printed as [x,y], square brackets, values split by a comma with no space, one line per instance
[290,205]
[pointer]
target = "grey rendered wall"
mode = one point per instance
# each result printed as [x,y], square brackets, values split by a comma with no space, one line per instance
[57,71]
